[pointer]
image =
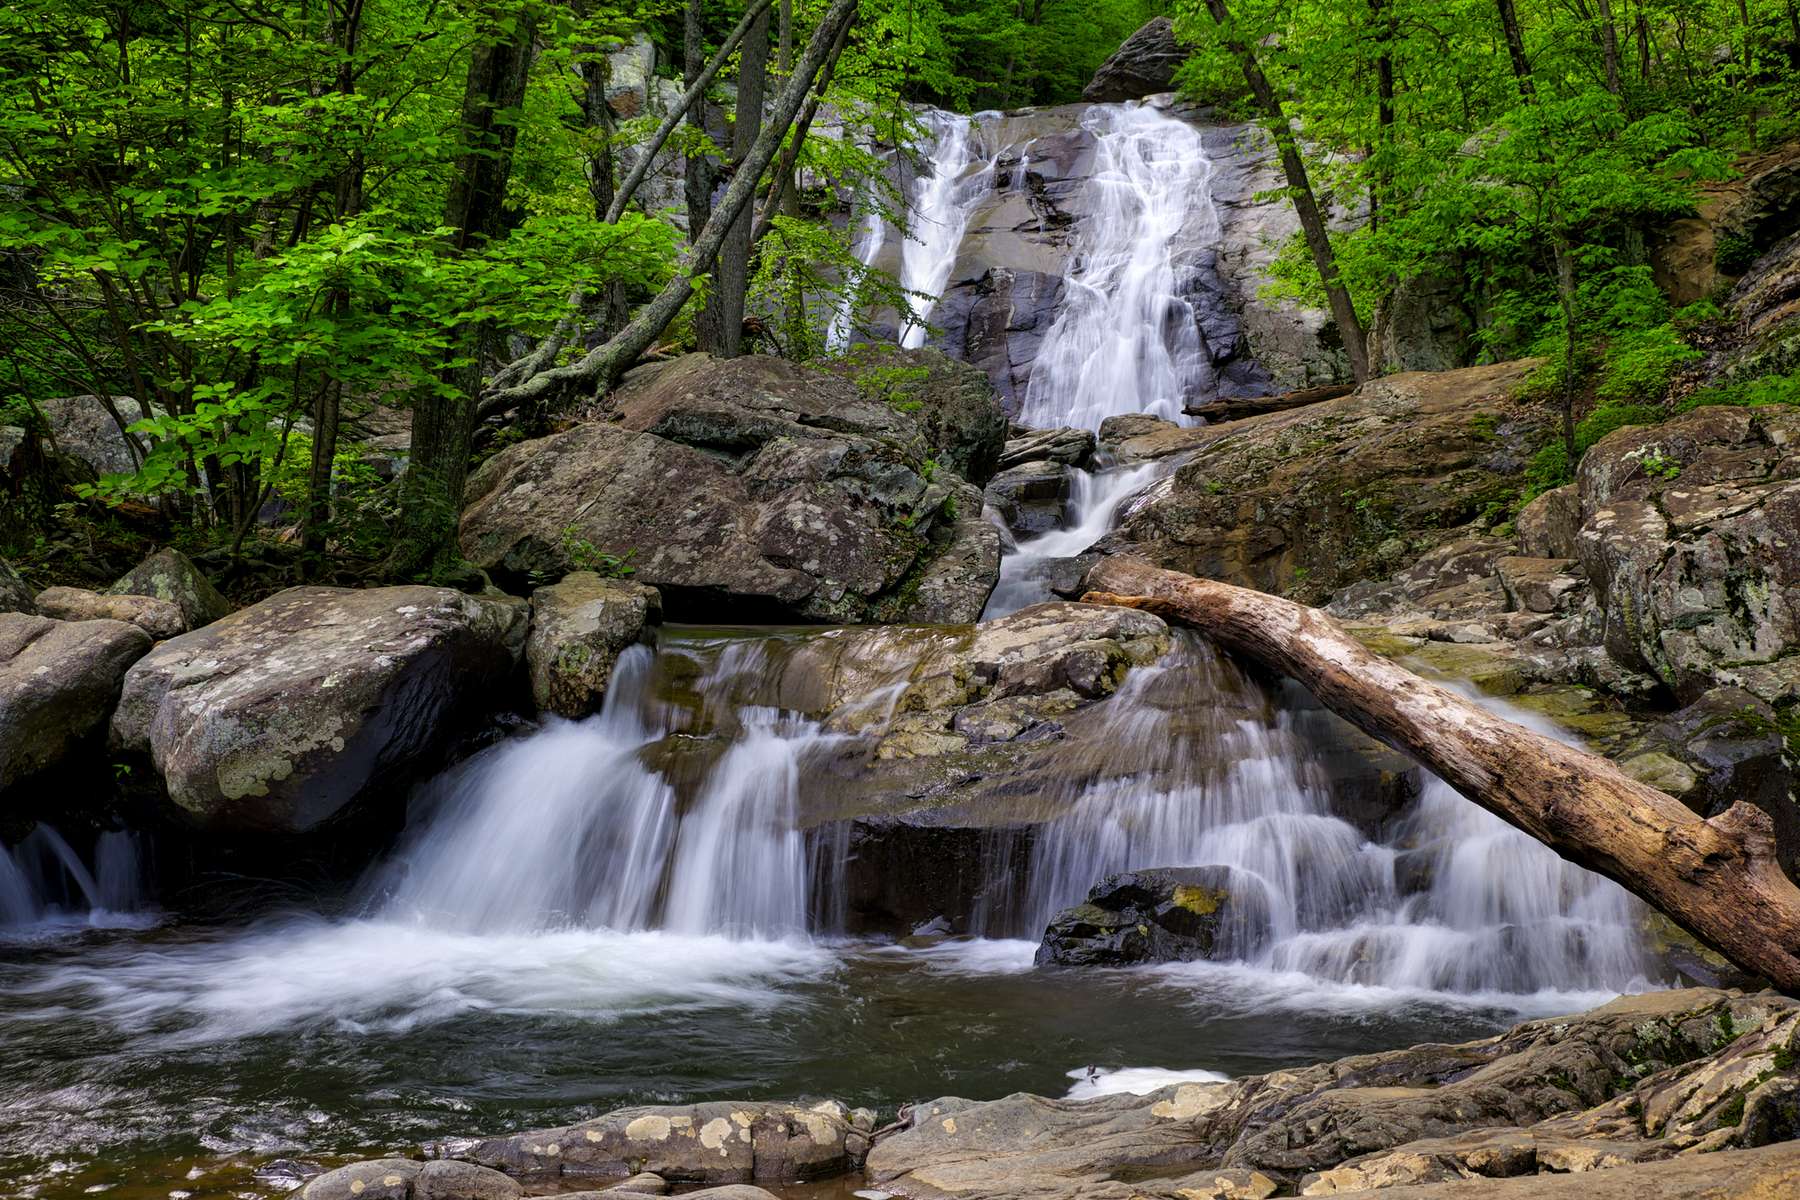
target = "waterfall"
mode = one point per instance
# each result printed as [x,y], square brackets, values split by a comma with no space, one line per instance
[941,202]
[1125,341]
[44,881]
[1095,501]
[570,828]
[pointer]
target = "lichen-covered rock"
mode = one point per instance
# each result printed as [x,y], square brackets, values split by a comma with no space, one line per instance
[1311,500]
[1170,914]
[1071,447]
[87,432]
[281,715]
[952,400]
[579,627]
[1690,537]
[1539,585]
[15,593]
[1143,65]
[171,575]
[159,618]
[714,1142]
[746,489]
[374,1179]
[1642,1078]
[58,681]
[1030,497]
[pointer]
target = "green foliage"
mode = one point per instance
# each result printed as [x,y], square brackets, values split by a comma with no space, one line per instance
[1749,393]
[1550,466]
[583,555]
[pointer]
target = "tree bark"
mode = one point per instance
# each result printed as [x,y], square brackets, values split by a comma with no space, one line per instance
[602,366]
[1609,46]
[700,173]
[722,331]
[1515,47]
[444,422]
[1306,205]
[784,189]
[1717,876]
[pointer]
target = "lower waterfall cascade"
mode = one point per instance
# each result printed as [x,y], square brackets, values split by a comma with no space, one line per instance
[654,903]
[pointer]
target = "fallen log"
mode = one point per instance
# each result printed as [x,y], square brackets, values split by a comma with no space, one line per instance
[1235,408]
[1716,876]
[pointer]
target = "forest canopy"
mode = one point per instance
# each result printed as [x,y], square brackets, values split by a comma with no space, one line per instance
[247,224]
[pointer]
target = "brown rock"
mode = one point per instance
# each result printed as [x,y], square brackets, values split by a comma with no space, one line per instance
[578,629]
[160,619]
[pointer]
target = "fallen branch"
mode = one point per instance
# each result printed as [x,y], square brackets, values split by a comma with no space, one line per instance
[1716,876]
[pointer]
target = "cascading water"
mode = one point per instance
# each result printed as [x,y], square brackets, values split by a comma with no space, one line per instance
[1125,341]
[940,213]
[1095,501]
[44,882]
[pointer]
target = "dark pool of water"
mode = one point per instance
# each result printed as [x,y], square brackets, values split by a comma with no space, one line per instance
[185,1058]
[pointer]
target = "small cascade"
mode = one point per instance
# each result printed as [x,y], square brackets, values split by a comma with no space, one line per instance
[1095,501]
[1125,340]
[573,828]
[44,881]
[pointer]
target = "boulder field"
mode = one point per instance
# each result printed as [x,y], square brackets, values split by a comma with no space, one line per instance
[1669,1094]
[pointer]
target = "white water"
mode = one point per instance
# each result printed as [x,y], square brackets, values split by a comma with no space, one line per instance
[1096,502]
[942,199]
[1124,340]
[45,885]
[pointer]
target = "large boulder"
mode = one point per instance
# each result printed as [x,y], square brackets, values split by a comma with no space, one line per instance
[1690,536]
[714,1142]
[58,681]
[1642,1078]
[951,399]
[279,716]
[1144,65]
[159,618]
[170,575]
[1311,500]
[86,430]
[579,627]
[1171,914]
[750,489]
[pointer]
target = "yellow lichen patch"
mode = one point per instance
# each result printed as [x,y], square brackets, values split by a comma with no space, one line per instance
[714,1134]
[1190,1100]
[949,1124]
[1198,900]
[650,1128]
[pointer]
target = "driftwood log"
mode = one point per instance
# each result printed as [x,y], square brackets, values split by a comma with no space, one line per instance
[1716,876]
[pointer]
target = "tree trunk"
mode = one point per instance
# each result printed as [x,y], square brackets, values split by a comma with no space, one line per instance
[696,88]
[603,365]
[1609,46]
[1515,47]
[723,326]
[1717,876]
[1565,296]
[444,422]
[1306,205]
[700,173]
[784,195]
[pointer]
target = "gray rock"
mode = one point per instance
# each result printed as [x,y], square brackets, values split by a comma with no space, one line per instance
[1539,585]
[1030,498]
[279,716]
[1425,324]
[578,629]
[1071,447]
[171,575]
[376,1179]
[58,681]
[753,489]
[714,1142]
[1169,914]
[448,1179]
[951,400]
[1144,65]
[87,432]
[1732,741]
[159,618]
[15,593]
[1549,524]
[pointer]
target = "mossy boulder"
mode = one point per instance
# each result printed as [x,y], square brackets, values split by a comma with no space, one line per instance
[1170,914]
[579,627]
[171,575]
[58,681]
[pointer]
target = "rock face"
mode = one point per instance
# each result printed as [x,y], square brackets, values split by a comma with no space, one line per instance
[15,594]
[159,618]
[714,1142]
[171,575]
[86,431]
[1644,1078]
[276,718]
[1143,66]
[750,489]
[1173,914]
[1310,500]
[58,681]
[578,629]
[1690,536]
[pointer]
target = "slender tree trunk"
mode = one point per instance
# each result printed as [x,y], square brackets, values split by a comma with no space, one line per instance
[785,196]
[444,423]
[700,174]
[1306,206]
[1717,876]
[722,329]
[692,97]
[1565,296]
[1609,47]
[1515,47]
[603,365]
[597,115]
